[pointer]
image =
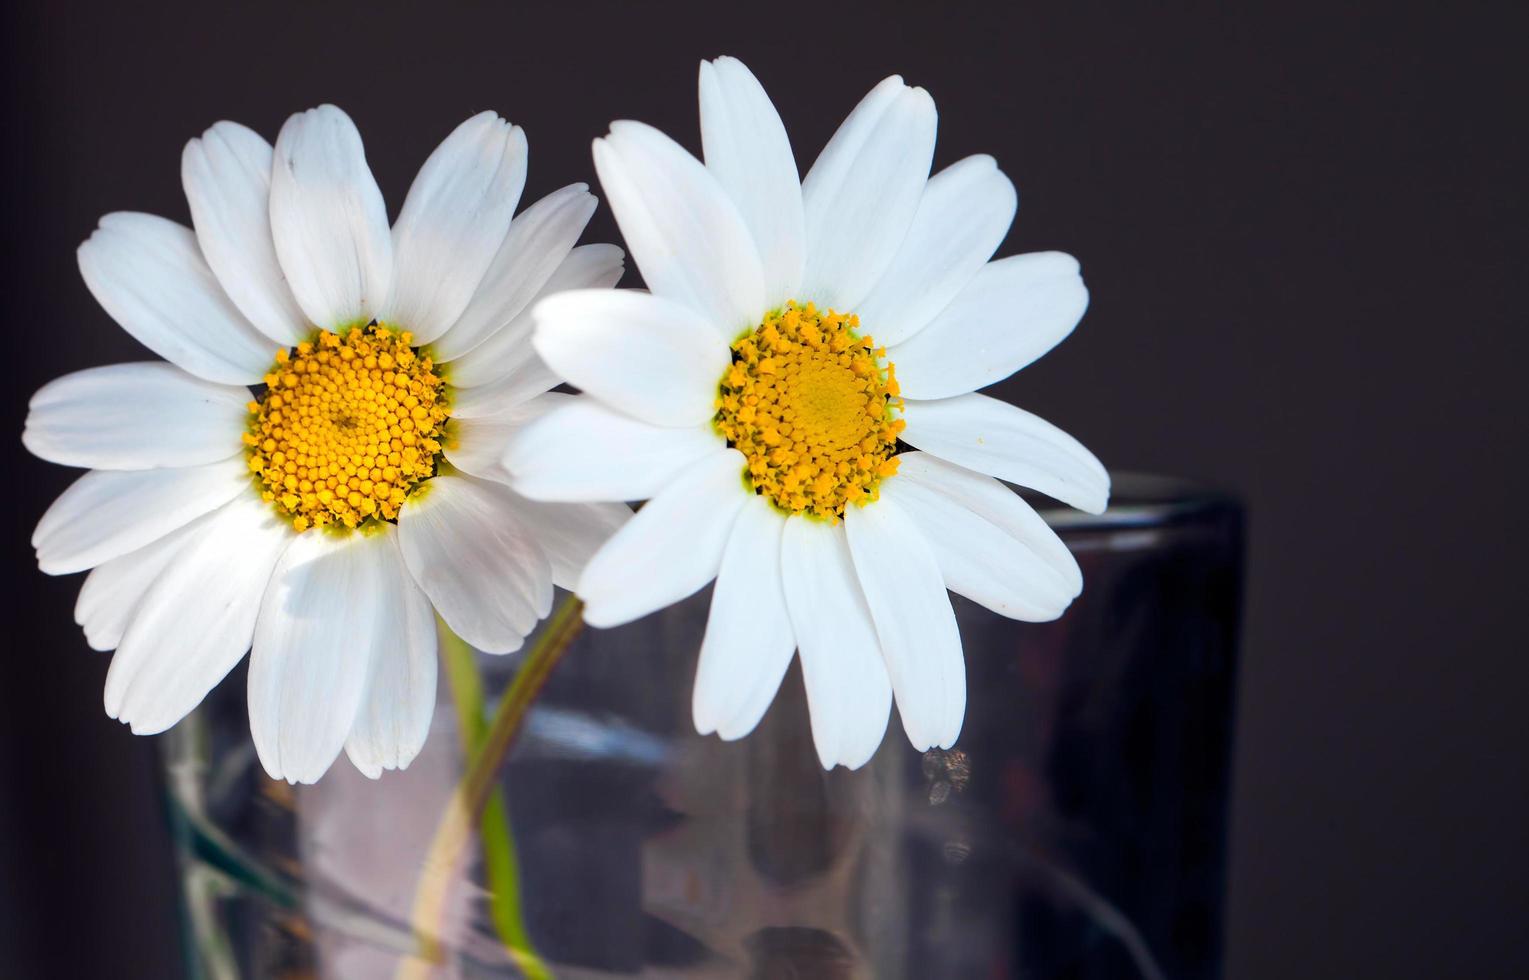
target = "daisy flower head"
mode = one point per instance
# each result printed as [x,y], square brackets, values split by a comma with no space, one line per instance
[313,471]
[796,401]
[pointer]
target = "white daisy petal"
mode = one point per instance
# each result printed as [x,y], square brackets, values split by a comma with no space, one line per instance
[196,621]
[570,534]
[994,437]
[685,233]
[107,513]
[477,445]
[965,211]
[327,609]
[507,359]
[227,176]
[452,224]
[135,417]
[914,621]
[1014,310]
[149,274]
[999,506]
[394,718]
[328,221]
[112,591]
[530,379]
[860,196]
[538,241]
[671,548]
[586,451]
[746,148]
[468,547]
[991,546]
[643,354]
[849,696]
[749,642]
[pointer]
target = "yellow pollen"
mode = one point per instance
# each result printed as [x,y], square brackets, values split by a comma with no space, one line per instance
[813,407]
[349,425]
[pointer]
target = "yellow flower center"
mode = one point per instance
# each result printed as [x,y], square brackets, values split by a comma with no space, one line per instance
[813,406]
[349,425]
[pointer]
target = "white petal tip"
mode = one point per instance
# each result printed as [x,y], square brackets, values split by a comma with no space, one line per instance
[858,760]
[602,618]
[499,647]
[305,776]
[732,731]
[948,739]
[50,567]
[140,727]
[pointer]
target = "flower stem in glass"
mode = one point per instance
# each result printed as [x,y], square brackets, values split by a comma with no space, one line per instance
[471,797]
[494,832]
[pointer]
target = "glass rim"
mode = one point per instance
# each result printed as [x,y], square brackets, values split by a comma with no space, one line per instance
[1139,499]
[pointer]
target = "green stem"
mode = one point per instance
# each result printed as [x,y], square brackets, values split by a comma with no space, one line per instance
[478,798]
[495,835]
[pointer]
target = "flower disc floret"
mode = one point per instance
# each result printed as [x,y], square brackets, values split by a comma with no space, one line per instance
[814,408]
[349,425]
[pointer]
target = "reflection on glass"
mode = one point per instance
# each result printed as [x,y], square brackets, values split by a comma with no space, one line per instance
[1077,829]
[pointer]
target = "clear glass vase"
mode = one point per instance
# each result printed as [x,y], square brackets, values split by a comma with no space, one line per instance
[1076,830]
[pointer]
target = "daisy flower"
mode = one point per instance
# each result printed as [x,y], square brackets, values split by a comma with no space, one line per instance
[800,336]
[315,465]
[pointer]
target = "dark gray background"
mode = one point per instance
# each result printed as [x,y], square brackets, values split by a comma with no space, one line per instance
[1303,233]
